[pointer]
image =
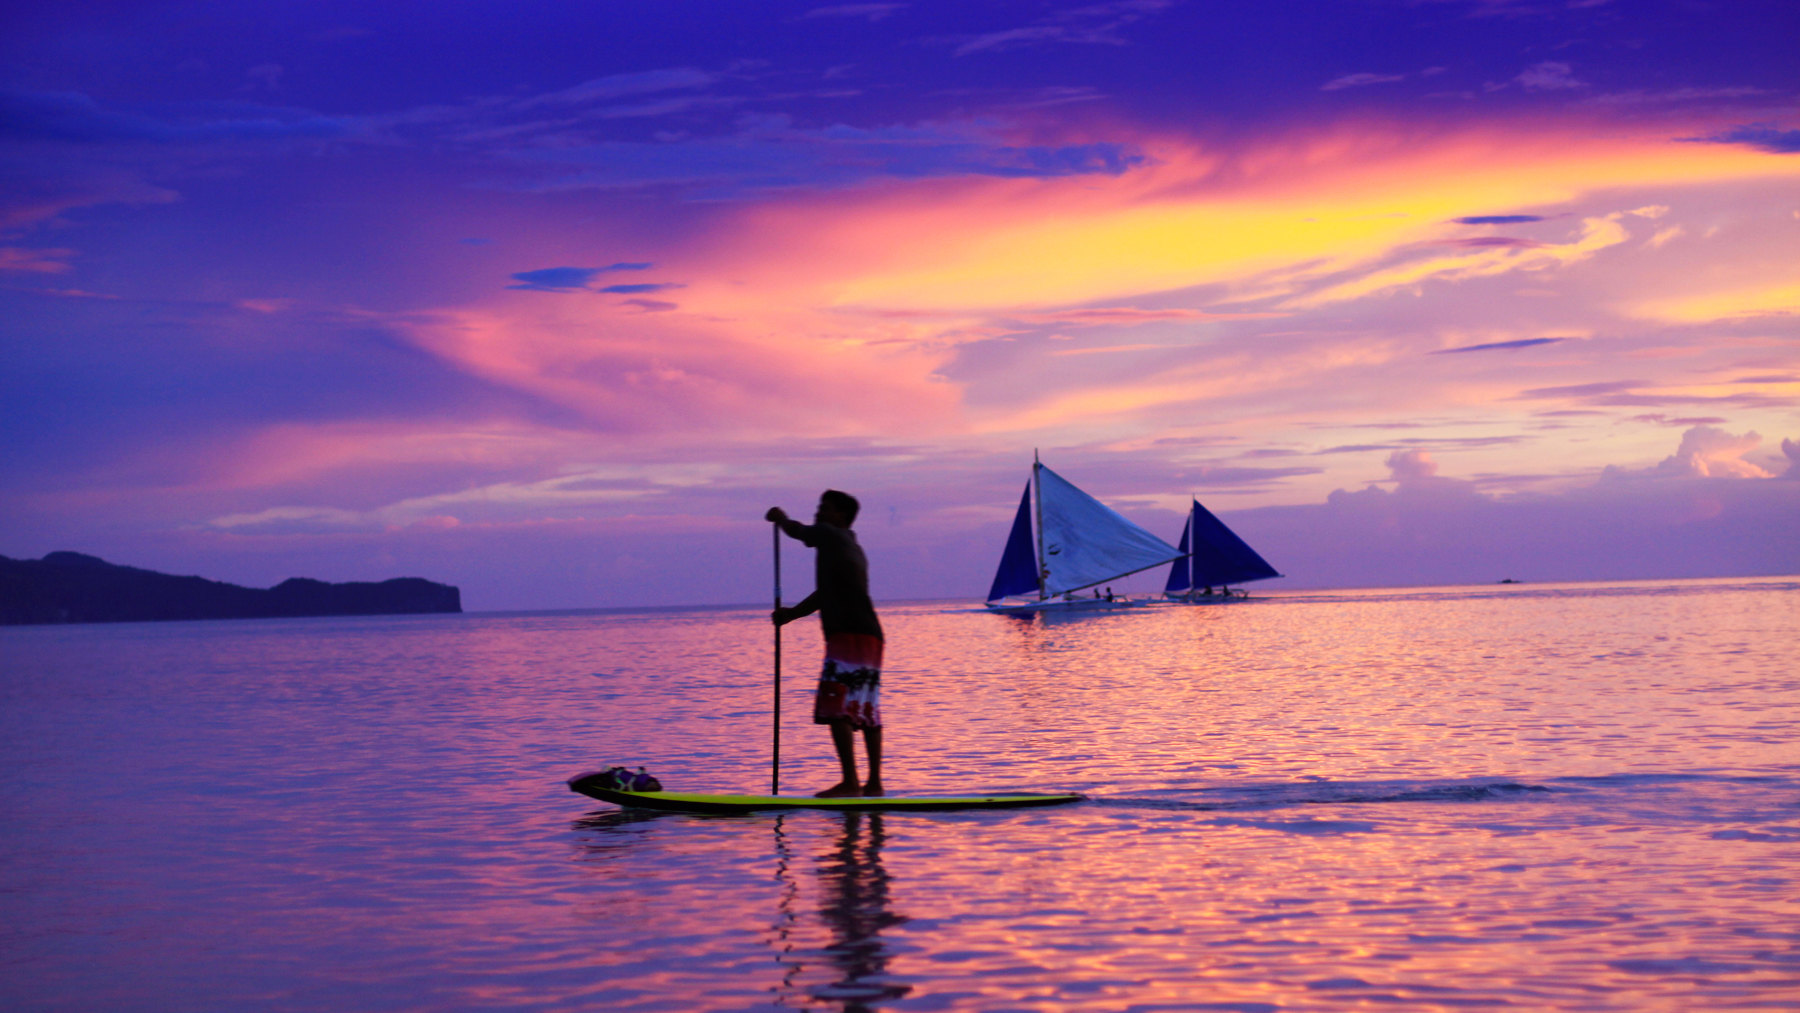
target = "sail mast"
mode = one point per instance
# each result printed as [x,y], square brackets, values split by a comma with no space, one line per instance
[1038,499]
[1193,542]
[1221,558]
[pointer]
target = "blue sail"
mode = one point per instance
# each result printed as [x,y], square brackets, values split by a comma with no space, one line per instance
[1181,575]
[1018,573]
[1220,557]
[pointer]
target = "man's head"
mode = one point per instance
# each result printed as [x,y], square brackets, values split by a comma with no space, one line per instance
[837,508]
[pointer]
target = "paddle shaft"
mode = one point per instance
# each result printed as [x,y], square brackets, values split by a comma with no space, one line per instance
[775,751]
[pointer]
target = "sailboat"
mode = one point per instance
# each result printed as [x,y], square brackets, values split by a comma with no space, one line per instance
[1077,543]
[1212,556]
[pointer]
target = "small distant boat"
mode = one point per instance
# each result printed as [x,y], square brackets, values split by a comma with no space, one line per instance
[1213,557]
[1076,544]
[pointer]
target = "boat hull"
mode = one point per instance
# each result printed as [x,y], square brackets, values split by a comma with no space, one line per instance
[1059,607]
[1204,599]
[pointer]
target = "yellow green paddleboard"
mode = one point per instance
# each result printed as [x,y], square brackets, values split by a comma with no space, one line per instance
[686,802]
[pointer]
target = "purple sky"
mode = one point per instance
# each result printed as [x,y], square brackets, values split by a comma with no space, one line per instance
[551,301]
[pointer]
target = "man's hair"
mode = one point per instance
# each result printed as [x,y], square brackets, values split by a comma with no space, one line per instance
[842,502]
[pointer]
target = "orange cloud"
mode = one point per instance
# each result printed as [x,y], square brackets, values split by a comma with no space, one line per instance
[1125,316]
[1596,234]
[1197,217]
[1724,303]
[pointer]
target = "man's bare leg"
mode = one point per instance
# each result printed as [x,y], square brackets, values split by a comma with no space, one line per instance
[872,744]
[845,743]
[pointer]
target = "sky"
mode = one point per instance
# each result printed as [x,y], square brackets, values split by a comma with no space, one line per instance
[551,301]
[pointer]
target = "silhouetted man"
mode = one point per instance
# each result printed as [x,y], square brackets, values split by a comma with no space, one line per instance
[849,693]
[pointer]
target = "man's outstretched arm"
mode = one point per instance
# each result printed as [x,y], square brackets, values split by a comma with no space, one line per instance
[793,528]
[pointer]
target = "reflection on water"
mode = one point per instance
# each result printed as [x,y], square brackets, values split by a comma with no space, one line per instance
[831,902]
[853,904]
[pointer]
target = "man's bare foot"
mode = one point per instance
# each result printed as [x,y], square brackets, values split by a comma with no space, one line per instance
[842,789]
[873,790]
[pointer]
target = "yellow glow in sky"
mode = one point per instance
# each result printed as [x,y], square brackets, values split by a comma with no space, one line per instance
[1330,212]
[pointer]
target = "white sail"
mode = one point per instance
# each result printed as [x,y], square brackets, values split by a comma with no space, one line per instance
[1086,542]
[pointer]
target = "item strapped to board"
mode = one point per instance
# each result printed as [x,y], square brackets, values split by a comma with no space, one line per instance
[620,779]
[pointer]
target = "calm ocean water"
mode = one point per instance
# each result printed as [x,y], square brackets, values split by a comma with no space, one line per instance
[1571,797]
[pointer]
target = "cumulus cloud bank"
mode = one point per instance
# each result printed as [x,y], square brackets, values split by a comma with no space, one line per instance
[1707,452]
[1704,511]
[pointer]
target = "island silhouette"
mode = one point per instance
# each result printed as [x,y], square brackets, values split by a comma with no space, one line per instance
[72,587]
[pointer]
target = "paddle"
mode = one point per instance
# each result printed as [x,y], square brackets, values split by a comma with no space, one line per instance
[775,760]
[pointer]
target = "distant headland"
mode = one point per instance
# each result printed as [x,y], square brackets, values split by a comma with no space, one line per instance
[70,587]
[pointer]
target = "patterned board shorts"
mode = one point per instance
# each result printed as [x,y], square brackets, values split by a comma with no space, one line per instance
[850,683]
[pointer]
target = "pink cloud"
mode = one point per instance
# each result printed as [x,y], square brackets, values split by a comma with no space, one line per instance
[1128,315]
[1707,452]
[39,261]
[1411,465]
[59,187]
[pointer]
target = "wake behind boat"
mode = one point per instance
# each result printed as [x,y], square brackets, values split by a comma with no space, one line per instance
[1213,556]
[1076,544]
